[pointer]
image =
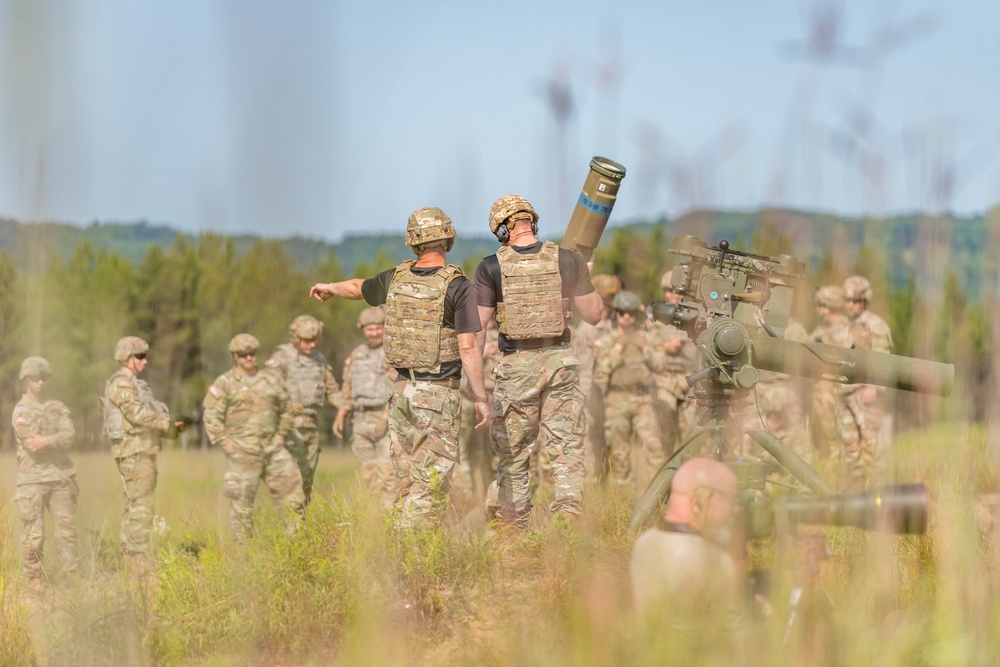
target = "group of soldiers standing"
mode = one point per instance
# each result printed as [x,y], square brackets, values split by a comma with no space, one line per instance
[426,329]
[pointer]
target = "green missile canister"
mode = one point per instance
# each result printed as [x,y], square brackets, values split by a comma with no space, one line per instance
[593,208]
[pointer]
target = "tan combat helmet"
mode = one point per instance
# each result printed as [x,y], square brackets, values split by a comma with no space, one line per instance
[243,343]
[607,287]
[33,366]
[371,315]
[427,225]
[830,296]
[857,288]
[626,302]
[512,208]
[667,281]
[128,346]
[304,327]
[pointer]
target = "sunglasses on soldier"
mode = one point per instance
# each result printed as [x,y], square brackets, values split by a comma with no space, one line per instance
[245,355]
[38,378]
[140,356]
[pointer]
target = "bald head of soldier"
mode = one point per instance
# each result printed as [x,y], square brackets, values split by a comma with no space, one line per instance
[704,494]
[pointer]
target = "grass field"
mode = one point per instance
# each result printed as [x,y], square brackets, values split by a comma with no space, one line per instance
[349,590]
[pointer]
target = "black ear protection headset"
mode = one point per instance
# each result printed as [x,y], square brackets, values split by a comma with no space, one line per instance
[503,231]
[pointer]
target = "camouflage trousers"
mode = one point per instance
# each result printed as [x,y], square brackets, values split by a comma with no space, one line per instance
[138,473]
[60,499]
[303,445]
[858,426]
[424,423]
[630,416]
[538,391]
[370,443]
[246,467]
[823,422]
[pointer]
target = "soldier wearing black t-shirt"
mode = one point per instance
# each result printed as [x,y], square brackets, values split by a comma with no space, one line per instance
[530,287]
[430,337]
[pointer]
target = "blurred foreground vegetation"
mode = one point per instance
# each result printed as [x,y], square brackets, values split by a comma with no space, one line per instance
[349,590]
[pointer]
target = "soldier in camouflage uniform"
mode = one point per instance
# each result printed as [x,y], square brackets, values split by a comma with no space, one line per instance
[46,478]
[586,340]
[779,406]
[833,329]
[529,287]
[248,414]
[674,402]
[307,377]
[624,369]
[367,383]
[430,339]
[135,423]
[868,423]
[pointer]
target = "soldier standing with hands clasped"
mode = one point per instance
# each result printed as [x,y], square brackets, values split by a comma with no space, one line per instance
[430,338]
[247,414]
[46,477]
[308,379]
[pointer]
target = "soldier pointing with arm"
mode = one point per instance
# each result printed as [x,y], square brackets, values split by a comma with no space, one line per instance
[430,338]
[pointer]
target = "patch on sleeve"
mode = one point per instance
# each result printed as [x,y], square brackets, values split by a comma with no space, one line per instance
[347,362]
[214,391]
[124,382]
[23,419]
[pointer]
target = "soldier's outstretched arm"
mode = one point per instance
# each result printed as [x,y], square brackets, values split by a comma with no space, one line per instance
[345,289]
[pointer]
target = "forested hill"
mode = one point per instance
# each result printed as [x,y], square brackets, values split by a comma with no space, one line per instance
[25,243]
[818,239]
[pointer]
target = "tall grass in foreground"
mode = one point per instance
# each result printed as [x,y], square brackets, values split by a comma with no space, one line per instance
[350,589]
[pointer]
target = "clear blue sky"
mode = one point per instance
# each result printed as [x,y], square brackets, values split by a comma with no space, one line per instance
[326,118]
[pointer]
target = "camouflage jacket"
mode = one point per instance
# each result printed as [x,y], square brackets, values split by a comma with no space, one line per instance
[251,413]
[871,332]
[368,378]
[49,419]
[143,419]
[309,381]
[628,361]
[585,341]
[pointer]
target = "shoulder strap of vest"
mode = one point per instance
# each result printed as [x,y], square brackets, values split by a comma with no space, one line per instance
[402,269]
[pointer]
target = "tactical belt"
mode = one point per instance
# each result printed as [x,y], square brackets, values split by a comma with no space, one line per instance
[533,344]
[452,383]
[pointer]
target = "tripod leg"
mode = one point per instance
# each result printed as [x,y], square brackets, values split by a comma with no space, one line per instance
[791,462]
[660,486]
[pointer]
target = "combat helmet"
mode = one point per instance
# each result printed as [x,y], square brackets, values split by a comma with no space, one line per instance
[667,281]
[626,302]
[511,207]
[129,346]
[857,288]
[34,366]
[371,315]
[427,225]
[607,286]
[304,327]
[830,296]
[775,399]
[243,343]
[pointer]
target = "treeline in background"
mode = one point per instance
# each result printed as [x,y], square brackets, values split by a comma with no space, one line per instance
[69,293]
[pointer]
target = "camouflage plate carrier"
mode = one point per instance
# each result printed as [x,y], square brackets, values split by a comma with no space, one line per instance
[532,305]
[414,335]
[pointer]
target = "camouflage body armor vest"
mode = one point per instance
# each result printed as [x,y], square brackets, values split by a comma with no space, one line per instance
[414,336]
[532,305]
[304,380]
[114,421]
[633,374]
[370,384]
